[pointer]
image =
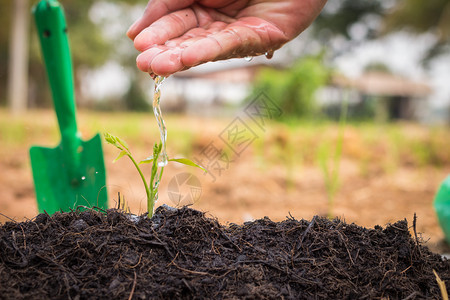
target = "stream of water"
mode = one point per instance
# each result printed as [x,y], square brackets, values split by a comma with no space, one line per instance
[162,160]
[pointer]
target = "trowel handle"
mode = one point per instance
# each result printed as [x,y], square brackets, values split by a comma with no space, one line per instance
[52,32]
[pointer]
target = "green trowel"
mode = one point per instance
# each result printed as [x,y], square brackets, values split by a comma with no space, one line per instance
[442,207]
[73,173]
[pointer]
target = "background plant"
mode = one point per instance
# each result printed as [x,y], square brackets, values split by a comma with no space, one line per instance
[330,164]
[293,89]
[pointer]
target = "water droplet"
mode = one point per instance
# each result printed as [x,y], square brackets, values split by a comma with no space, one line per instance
[83,177]
[248,58]
[269,54]
[174,59]
[163,162]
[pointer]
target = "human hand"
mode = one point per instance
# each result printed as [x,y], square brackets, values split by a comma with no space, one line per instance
[174,35]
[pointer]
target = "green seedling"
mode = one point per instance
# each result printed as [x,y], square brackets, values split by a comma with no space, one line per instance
[152,187]
[330,165]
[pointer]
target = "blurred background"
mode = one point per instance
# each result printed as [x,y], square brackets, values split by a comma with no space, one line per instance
[350,119]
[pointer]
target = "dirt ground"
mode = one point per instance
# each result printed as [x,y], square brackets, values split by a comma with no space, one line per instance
[247,190]
[180,254]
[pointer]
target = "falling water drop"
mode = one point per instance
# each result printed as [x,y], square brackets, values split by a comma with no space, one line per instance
[269,54]
[83,177]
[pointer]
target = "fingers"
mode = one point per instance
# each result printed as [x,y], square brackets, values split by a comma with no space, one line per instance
[144,60]
[174,35]
[168,62]
[161,61]
[247,37]
[156,9]
[166,28]
[234,41]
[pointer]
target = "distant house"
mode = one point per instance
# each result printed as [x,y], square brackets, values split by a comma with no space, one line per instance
[387,96]
[391,96]
[210,87]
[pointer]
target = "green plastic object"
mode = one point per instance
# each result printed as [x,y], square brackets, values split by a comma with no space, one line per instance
[442,207]
[73,173]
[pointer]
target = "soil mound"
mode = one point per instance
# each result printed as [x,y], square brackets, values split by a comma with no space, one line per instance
[181,254]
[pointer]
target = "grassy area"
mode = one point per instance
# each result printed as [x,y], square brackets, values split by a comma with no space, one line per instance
[296,143]
[389,145]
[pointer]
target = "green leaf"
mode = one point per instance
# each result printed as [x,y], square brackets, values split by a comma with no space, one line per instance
[187,162]
[110,138]
[121,154]
[122,142]
[148,160]
[116,141]
[157,149]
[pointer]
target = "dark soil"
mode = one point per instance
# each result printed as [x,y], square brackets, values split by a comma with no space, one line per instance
[181,254]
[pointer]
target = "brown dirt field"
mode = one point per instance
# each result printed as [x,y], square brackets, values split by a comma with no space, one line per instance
[247,191]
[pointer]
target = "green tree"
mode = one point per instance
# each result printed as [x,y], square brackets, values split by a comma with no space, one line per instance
[18,58]
[294,89]
[338,16]
[89,46]
[6,12]
[135,99]
[423,16]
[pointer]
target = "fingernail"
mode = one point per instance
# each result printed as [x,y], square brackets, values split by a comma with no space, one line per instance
[131,31]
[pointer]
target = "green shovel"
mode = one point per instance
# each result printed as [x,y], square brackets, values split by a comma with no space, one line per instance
[73,173]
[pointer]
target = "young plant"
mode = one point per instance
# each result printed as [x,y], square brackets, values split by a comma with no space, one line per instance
[330,166]
[151,189]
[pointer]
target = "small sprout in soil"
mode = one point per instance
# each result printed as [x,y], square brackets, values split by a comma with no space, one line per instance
[330,165]
[151,189]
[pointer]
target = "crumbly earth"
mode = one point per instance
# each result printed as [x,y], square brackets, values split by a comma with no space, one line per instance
[181,254]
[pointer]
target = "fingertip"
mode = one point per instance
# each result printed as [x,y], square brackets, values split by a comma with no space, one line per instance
[144,40]
[200,51]
[142,63]
[167,63]
[130,33]
[145,59]
[190,57]
[134,29]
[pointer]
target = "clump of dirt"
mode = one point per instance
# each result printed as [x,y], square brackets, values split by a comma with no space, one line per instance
[181,254]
